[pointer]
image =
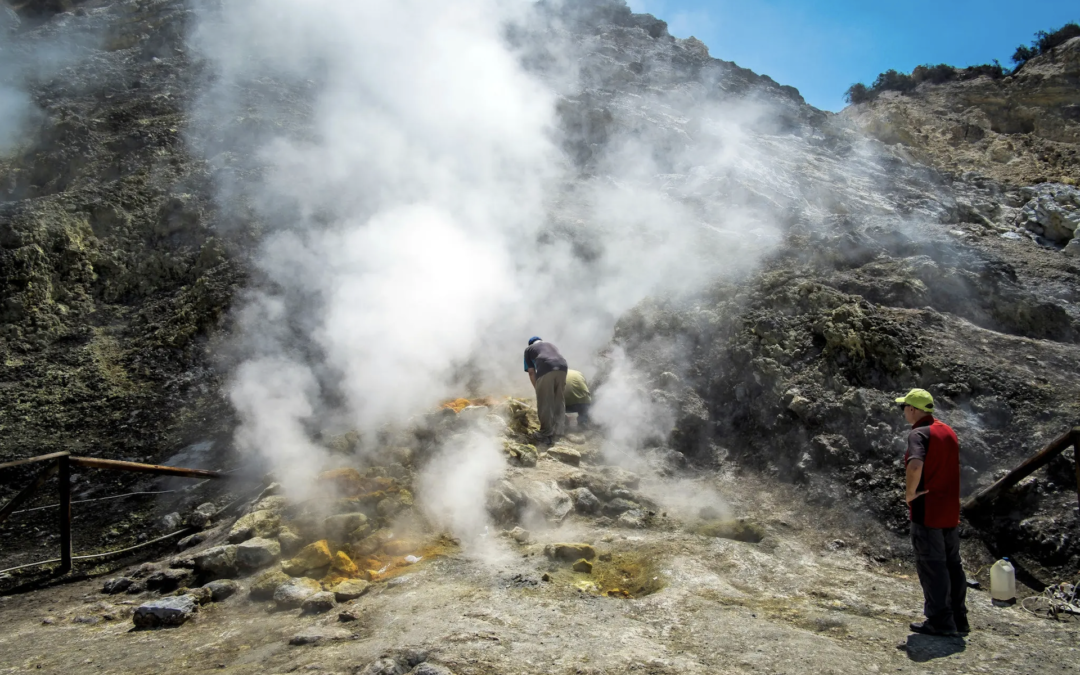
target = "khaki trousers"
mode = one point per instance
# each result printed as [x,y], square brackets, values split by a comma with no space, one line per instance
[550,404]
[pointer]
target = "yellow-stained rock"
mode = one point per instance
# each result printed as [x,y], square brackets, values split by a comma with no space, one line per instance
[583,565]
[311,557]
[343,566]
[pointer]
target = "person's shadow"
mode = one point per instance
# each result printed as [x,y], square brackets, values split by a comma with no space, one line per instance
[922,648]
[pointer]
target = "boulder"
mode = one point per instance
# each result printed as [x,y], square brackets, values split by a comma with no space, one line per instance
[371,543]
[570,552]
[117,585]
[265,584]
[504,502]
[548,499]
[583,565]
[221,589]
[201,595]
[617,506]
[520,535]
[341,526]
[293,592]
[257,552]
[218,562]
[584,500]
[167,581]
[522,454]
[343,566]
[564,454]
[290,541]
[350,589]
[264,523]
[312,557]
[318,603]
[165,612]
[633,519]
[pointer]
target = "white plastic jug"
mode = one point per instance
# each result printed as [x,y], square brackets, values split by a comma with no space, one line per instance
[1003,582]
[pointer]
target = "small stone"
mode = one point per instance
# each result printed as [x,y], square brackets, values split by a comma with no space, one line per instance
[570,552]
[49,621]
[565,454]
[167,581]
[604,557]
[583,565]
[545,577]
[293,592]
[520,535]
[118,585]
[164,612]
[316,635]
[171,522]
[202,516]
[218,562]
[311,557]
[224,588]
[264,523]
[265,584]
[201,595]
[585,501]
[257,552]
[88,620]
[350,589]
[318,603]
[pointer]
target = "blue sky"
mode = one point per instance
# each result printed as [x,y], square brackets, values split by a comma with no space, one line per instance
[821,47]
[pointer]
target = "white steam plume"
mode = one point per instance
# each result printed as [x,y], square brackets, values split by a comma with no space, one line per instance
[422,220]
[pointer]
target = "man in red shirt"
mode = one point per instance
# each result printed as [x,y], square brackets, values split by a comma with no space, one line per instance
[932,464]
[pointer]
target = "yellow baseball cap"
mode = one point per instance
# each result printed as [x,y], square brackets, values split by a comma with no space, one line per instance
[918,398]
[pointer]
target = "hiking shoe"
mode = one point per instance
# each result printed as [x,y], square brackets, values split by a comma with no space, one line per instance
[927,628]
[963,627]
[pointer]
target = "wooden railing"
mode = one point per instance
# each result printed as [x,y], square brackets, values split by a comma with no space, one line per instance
[1029,466]
[60,463]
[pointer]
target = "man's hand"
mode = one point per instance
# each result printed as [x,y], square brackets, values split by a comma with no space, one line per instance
[912,477]
[912,497]
[532,377]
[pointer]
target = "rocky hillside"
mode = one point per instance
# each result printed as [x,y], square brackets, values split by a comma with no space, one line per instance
[1020,130]
[875,259]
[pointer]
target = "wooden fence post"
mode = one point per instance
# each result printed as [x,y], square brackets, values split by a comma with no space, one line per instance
[65,514]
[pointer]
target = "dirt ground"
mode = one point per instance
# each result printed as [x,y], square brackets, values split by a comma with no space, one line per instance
[809,597]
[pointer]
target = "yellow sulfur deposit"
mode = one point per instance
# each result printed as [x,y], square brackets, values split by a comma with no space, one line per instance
[311,557]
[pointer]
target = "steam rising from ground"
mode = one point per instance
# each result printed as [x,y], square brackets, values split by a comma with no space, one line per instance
[425,222]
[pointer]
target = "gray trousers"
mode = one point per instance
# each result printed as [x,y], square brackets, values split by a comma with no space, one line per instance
[550,405]
[941,574]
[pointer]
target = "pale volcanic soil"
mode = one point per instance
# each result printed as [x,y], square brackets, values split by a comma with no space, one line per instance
[809,597]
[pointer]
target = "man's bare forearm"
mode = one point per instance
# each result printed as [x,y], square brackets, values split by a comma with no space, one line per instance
[912,477]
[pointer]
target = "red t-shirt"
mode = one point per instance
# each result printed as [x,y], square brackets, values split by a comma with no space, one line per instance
[935,443]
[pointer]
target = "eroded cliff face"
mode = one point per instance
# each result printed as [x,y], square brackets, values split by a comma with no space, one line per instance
[1022,129]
